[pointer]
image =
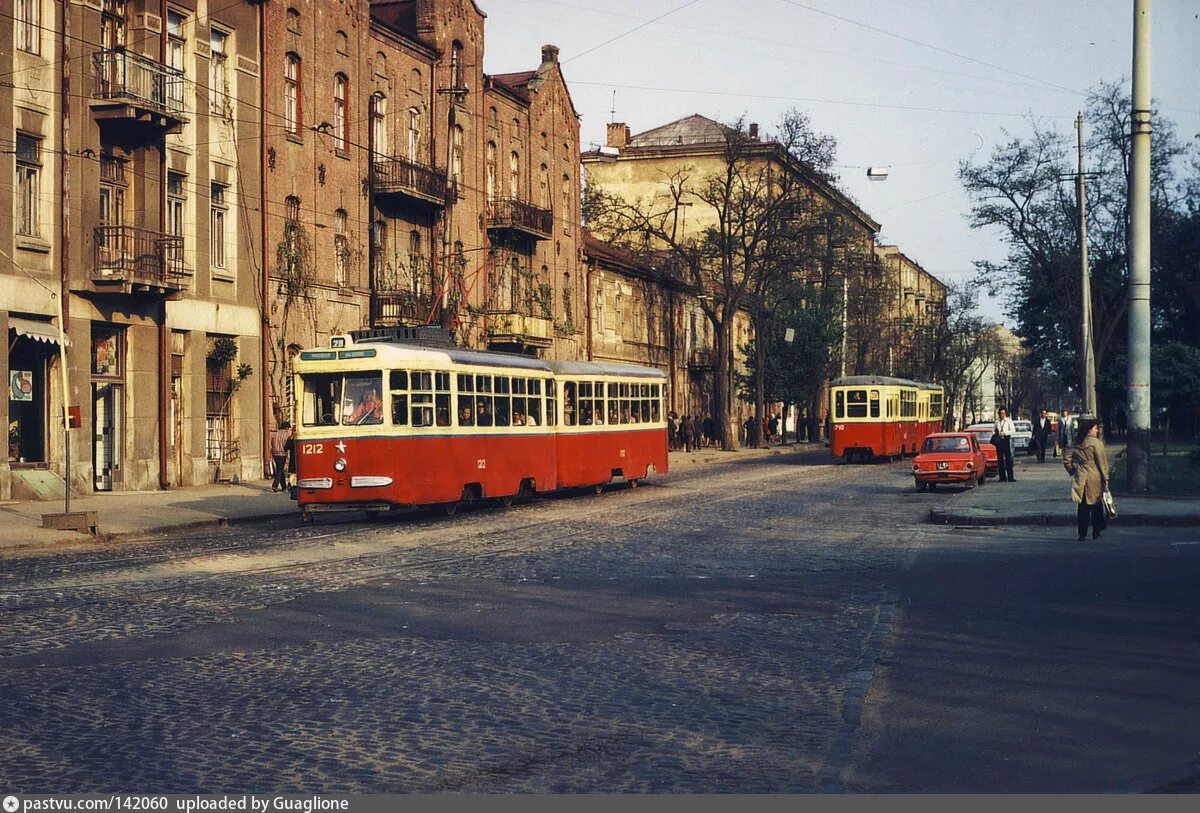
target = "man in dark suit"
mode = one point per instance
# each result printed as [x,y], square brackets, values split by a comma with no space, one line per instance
[1042,428]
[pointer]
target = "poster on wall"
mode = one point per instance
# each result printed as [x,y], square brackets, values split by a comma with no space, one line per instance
[104,354]
[20,385]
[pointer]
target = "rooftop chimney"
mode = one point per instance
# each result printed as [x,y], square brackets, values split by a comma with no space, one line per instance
[549,53]
[618,134]
[754,129]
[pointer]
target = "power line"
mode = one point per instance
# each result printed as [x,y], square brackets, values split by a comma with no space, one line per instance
[930,46]
[635,29]
[810,100]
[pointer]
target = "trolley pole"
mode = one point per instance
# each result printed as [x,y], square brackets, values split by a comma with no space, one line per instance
[1138,450]
[1089,350]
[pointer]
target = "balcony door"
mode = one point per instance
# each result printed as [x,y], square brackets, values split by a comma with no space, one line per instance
[112,39]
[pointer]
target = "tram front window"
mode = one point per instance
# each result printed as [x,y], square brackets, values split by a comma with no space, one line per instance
[322,397]
[856,403]
[361,401]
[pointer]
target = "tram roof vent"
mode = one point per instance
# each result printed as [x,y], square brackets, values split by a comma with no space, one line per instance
[424,335]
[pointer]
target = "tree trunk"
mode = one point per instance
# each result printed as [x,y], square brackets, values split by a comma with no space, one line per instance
[721,386]
[760,357]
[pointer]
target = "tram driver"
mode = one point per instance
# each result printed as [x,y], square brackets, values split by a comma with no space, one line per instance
[369,409]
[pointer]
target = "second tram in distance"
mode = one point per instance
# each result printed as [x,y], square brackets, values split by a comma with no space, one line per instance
[877,416]
[382,423]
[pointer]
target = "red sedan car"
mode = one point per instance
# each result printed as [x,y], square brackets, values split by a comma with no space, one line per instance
[949,457]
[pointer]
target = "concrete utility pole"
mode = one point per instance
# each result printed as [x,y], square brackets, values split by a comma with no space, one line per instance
[1138,450]
[1089,350]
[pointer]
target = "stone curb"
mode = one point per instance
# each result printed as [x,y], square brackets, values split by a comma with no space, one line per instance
[940,516]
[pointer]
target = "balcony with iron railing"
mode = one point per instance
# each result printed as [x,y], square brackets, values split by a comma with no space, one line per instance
[394,307]
[395,175]
[701,358]
[135,90]
[131,260]
[512,215]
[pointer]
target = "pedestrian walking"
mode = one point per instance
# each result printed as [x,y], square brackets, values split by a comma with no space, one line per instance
[1041,435]
[748,428]
[689,433]
[672,431]
[1003,430]
[281,447]
[1066,431]
[1087,464]
[773,427]
[710,430]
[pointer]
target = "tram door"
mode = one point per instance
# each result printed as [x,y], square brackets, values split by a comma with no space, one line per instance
[106,428]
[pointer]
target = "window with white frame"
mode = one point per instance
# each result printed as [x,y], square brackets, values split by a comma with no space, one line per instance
[341,91]
[217,217]
[514,174]
[218,71]
[27,188]
[27,19]
[291,94]
[177,216]
[341,248]
[379,134]
[176,49]
[414,133]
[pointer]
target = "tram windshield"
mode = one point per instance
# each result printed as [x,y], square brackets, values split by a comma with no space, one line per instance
[353,400]
[856,403]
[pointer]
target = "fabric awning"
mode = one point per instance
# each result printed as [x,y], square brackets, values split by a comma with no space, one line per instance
[38,331]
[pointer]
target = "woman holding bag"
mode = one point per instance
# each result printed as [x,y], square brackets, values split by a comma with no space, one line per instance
[1088,466]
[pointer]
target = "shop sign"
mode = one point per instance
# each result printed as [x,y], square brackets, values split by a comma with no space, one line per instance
[20,385]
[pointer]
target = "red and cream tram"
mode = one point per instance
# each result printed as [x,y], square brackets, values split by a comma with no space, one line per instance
[877,416]
[383,422]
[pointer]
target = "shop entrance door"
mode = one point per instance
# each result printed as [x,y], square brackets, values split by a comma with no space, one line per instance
[106,426]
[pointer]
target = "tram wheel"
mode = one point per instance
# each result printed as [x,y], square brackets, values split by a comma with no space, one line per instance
[633,483]
[507,501]
[450,508]
[598,489]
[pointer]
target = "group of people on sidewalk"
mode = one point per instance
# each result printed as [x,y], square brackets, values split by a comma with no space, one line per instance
[688,433]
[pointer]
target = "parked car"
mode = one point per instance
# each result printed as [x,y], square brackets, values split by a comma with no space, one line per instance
[1022,439]
[983,433]
[949,457]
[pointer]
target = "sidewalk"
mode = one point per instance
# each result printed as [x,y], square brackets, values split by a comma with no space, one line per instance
[140,513]
[1041,495]
[144,512]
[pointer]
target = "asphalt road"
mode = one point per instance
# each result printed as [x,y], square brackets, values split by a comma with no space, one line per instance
[785,624]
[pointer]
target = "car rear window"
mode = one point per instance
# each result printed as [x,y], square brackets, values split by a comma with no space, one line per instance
[946,445]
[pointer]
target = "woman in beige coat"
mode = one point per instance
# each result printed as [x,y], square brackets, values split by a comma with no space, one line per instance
[1088,466]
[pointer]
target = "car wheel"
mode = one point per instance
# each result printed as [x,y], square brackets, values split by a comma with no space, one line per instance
[922,487]
[933,486]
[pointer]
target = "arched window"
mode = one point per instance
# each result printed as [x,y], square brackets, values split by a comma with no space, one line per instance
[514,175]
[291,209]
[456,155]
[341,101]
[493,119]
[379,134]
[341,248]
[342,43]
[414,81]
[291,94]
[490,171]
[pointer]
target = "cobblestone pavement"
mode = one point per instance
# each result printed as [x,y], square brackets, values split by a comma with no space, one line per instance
[718,629]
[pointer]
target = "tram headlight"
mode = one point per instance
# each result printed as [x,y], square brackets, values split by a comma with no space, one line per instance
[339,464]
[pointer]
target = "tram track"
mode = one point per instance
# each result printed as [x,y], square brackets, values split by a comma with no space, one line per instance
[171,582]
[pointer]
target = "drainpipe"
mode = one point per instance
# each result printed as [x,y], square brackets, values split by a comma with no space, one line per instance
[164,481]
[265,293]
[64,312]
[588,305]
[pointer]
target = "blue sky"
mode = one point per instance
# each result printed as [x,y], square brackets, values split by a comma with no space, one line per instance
[889,101]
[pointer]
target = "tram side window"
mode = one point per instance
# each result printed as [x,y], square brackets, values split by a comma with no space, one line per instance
[645,388]
[484,411]
[598,402]
[398,384]
[856,403]
[502,400]
[421,398]
[614,404]
[322,395]
[441,414]
[908,403]
[361,404]
[569,394]
[533,411]
[935,406]
[520,407]
[466,400]
[585,403]
[551,402]
[839,404]
[655,403]
[874,403]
